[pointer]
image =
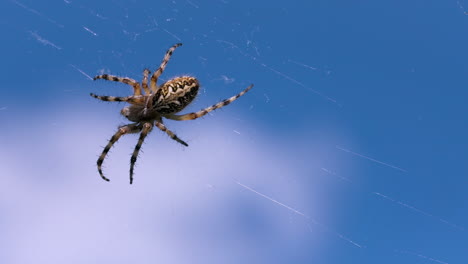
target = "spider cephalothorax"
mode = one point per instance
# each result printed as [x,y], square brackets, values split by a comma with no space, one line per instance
[147,110]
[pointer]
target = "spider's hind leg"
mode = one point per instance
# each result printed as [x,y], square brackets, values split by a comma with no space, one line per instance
[161,68]
[205,111]
[131,128]
[170,133]
[146,129]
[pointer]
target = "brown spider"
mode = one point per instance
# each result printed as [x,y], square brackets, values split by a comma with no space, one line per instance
[147,110]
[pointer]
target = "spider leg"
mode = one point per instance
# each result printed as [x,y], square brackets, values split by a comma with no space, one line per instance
[131,128]
[146,129]
[126,80]
[161,126]
[144,83]
[161,68]
[205,111]
[130,99]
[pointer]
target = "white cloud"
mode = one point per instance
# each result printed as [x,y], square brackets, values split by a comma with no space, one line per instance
[183,207]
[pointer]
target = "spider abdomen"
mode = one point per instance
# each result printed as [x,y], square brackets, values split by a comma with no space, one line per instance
[175,94]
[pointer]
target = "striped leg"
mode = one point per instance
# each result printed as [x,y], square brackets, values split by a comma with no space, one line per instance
[208,109]
[144,83]
[131,99]
[146,129]
[170,133]
[132,82]
[131,128]
[161,68]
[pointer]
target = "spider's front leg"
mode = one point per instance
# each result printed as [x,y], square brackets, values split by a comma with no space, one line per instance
[146,129]
[126,80]
[144,82]
[127,129]
[130,99]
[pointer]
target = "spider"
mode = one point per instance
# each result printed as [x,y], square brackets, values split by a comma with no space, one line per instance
[148,110]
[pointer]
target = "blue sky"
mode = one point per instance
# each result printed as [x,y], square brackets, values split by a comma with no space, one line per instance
[351,148]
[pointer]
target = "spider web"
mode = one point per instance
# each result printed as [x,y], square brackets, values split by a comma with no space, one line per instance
[333,155]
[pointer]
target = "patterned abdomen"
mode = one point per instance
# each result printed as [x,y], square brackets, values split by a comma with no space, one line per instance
[175,94]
